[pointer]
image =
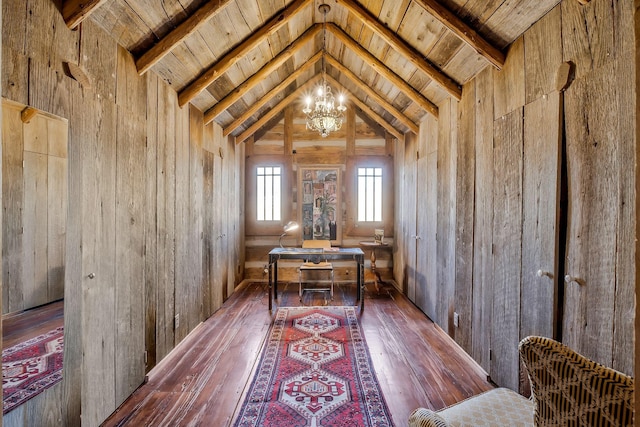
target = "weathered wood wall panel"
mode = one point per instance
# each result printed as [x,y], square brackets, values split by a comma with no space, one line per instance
[127,140]
[231,218]
[626,297]
[34,236]
[516,215]
[543,55]
[426,224]
[592,145]
[483,221]
[446,223]
[165,122]
[13,204]
[598,123]
[635,98]
[98,258]
[193,308]
[400,217]
[220,266]
[151,274]
[507,248]
[130,246]
[509,93]
[410,205]
[465,211]
[541,211]
[36,204]
[208,232]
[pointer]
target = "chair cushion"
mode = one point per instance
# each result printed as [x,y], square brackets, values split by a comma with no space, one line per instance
[569,389]
[497,407]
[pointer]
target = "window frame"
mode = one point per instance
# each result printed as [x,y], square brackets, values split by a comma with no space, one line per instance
[266,227]
[367,228]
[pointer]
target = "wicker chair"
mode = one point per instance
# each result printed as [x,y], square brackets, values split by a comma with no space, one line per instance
[567,389]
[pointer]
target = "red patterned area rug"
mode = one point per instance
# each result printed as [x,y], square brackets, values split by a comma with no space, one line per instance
[31,367]
[315,370]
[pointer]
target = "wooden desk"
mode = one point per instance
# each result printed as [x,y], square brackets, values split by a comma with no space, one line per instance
[277,254]
[373,245]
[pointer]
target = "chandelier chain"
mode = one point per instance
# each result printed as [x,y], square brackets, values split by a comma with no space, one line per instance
[326,116]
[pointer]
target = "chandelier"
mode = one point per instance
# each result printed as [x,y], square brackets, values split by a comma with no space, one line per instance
[326,116]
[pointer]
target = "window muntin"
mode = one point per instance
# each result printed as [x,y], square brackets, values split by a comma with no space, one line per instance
[268,193]
[370,194]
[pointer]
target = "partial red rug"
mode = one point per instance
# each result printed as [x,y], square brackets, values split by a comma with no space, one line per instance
[31,367]
[315,370]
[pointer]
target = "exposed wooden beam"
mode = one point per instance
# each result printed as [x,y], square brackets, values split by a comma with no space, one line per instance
[412,55]
[277,109]
[76,11]
[383,70]
[216,70]
[273,92]
[179,34]
[464,32]
[373,94]
[258,77]
[368,111]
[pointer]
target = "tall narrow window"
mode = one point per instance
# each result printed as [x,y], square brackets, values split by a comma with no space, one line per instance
[369,194]
[268,191]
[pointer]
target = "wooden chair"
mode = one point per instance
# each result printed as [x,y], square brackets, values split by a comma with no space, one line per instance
[315,263]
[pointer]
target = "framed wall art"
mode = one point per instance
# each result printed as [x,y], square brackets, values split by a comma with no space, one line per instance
[320,206]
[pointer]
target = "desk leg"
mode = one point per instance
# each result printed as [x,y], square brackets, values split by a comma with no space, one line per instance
[275,279]
[361,288]
[359,280]
[270,283]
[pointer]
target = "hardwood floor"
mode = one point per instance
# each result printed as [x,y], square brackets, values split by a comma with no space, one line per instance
[203,380]
[24,325]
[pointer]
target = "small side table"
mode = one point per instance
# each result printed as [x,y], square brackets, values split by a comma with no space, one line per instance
[373,246]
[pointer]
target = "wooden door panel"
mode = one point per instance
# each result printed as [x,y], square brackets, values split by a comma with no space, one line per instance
[541,187]
[593,192]
[410,212]
[507,247]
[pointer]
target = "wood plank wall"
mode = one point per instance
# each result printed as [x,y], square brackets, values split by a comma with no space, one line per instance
[500,213]
[152,245]
[35,197]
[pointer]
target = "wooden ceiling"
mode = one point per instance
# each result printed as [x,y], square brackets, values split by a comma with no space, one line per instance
[242,61]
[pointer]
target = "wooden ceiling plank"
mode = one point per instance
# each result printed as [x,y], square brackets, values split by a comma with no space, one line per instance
[178,35]
[275,110]
[383,70]
[236,54]
[367,110]
[258,77]
[273,92]
[415,57]
[467,34]
[373,94]
[76,11]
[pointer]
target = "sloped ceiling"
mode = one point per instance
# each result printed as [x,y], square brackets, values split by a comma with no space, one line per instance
[242,61]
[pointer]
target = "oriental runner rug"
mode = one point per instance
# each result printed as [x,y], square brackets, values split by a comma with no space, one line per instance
[315,370]
[30,367]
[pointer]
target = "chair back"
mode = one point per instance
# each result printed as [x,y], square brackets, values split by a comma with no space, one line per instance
[318,244]
[569,389]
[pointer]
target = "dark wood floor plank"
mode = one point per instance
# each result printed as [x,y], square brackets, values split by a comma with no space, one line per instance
[204,380]
[24,325]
